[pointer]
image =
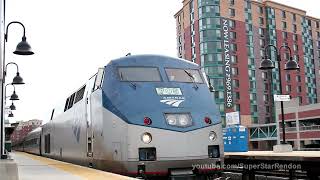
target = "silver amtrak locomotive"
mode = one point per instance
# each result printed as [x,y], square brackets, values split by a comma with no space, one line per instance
[144,115]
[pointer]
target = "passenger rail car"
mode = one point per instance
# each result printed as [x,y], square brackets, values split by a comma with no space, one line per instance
[139,115]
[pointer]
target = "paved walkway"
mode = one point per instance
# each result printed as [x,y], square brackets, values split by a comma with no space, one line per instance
[31,167]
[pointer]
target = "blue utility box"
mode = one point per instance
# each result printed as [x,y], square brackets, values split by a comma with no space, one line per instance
[235,138]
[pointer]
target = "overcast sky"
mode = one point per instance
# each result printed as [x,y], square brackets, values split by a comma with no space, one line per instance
[73,38]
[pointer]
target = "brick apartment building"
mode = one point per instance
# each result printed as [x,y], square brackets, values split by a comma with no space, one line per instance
[223,35]
[23,128]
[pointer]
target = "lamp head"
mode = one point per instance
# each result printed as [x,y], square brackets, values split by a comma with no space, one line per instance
[14,96]
[17,79]
[266,64]
[12,106]
[291,65]
[23,48]
[10,115]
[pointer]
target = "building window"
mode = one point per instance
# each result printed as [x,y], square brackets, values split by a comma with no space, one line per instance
[237,107]
[295,37]
[261,21]
[284,35]
[317,24]
[233,35]
[237,95]
[248,27]
[254,108]
[284,25]
[218,82]
[288,88]
[262,42]
[295,47]
[286,55]
[253,96]
[294,28]
[231,2]
[252,85]
[235,71]
[221,107]
[261,31]
[260,9]
[232,23]
[300,99]
[232,12]
[298,78]
[249,39]
[267,109]
[207,58]
[251,61]
[299,89]
[252,73]
[309,22]
[296,57]
[266,97]
[283,14]
[294,18]
[288,78]
[235,83]
[264,75]
[233,47]
[247,4]
[234,59]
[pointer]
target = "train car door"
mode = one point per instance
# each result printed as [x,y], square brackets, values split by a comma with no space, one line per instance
[93,84]
[89,120]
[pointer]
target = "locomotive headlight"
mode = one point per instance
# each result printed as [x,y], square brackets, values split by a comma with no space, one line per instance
[181,119]
[146,138]
[171,119]
[212,136]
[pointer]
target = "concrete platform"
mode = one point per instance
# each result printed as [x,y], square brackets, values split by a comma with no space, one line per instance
[270,155]
[8,170]
[282,148]
[32,167]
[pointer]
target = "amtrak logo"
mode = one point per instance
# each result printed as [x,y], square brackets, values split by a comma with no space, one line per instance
[172,101]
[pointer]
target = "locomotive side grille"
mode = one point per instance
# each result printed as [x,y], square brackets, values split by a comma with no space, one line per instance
[147,154]
[213,151]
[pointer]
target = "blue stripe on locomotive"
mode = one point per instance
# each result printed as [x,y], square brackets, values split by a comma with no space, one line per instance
[133,104]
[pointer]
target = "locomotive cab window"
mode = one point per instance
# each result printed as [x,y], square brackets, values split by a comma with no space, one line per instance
[184,75]
[139,74]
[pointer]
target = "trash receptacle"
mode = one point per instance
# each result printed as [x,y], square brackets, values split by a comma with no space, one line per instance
[7,146]
[235,139]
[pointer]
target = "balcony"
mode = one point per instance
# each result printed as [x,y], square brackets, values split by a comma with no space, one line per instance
[262,132]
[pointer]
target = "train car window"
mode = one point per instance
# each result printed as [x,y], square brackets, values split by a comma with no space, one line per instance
[184,75]
[139,74]
[52,114]
[79,94]
[99,78]
[47,143]
[71,100]
[66,105]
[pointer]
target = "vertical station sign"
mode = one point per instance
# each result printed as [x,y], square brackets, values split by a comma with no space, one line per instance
[227,63]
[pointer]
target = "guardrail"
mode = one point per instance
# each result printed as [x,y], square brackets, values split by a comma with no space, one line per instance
[303,128]
[306,128]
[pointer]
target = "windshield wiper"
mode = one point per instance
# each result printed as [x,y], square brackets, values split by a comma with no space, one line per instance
[195,86]
[133,85]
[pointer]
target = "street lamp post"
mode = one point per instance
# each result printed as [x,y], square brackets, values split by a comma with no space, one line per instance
[23,48]
[267,64]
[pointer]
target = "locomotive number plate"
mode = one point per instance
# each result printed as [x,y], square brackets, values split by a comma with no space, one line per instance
[169,91]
